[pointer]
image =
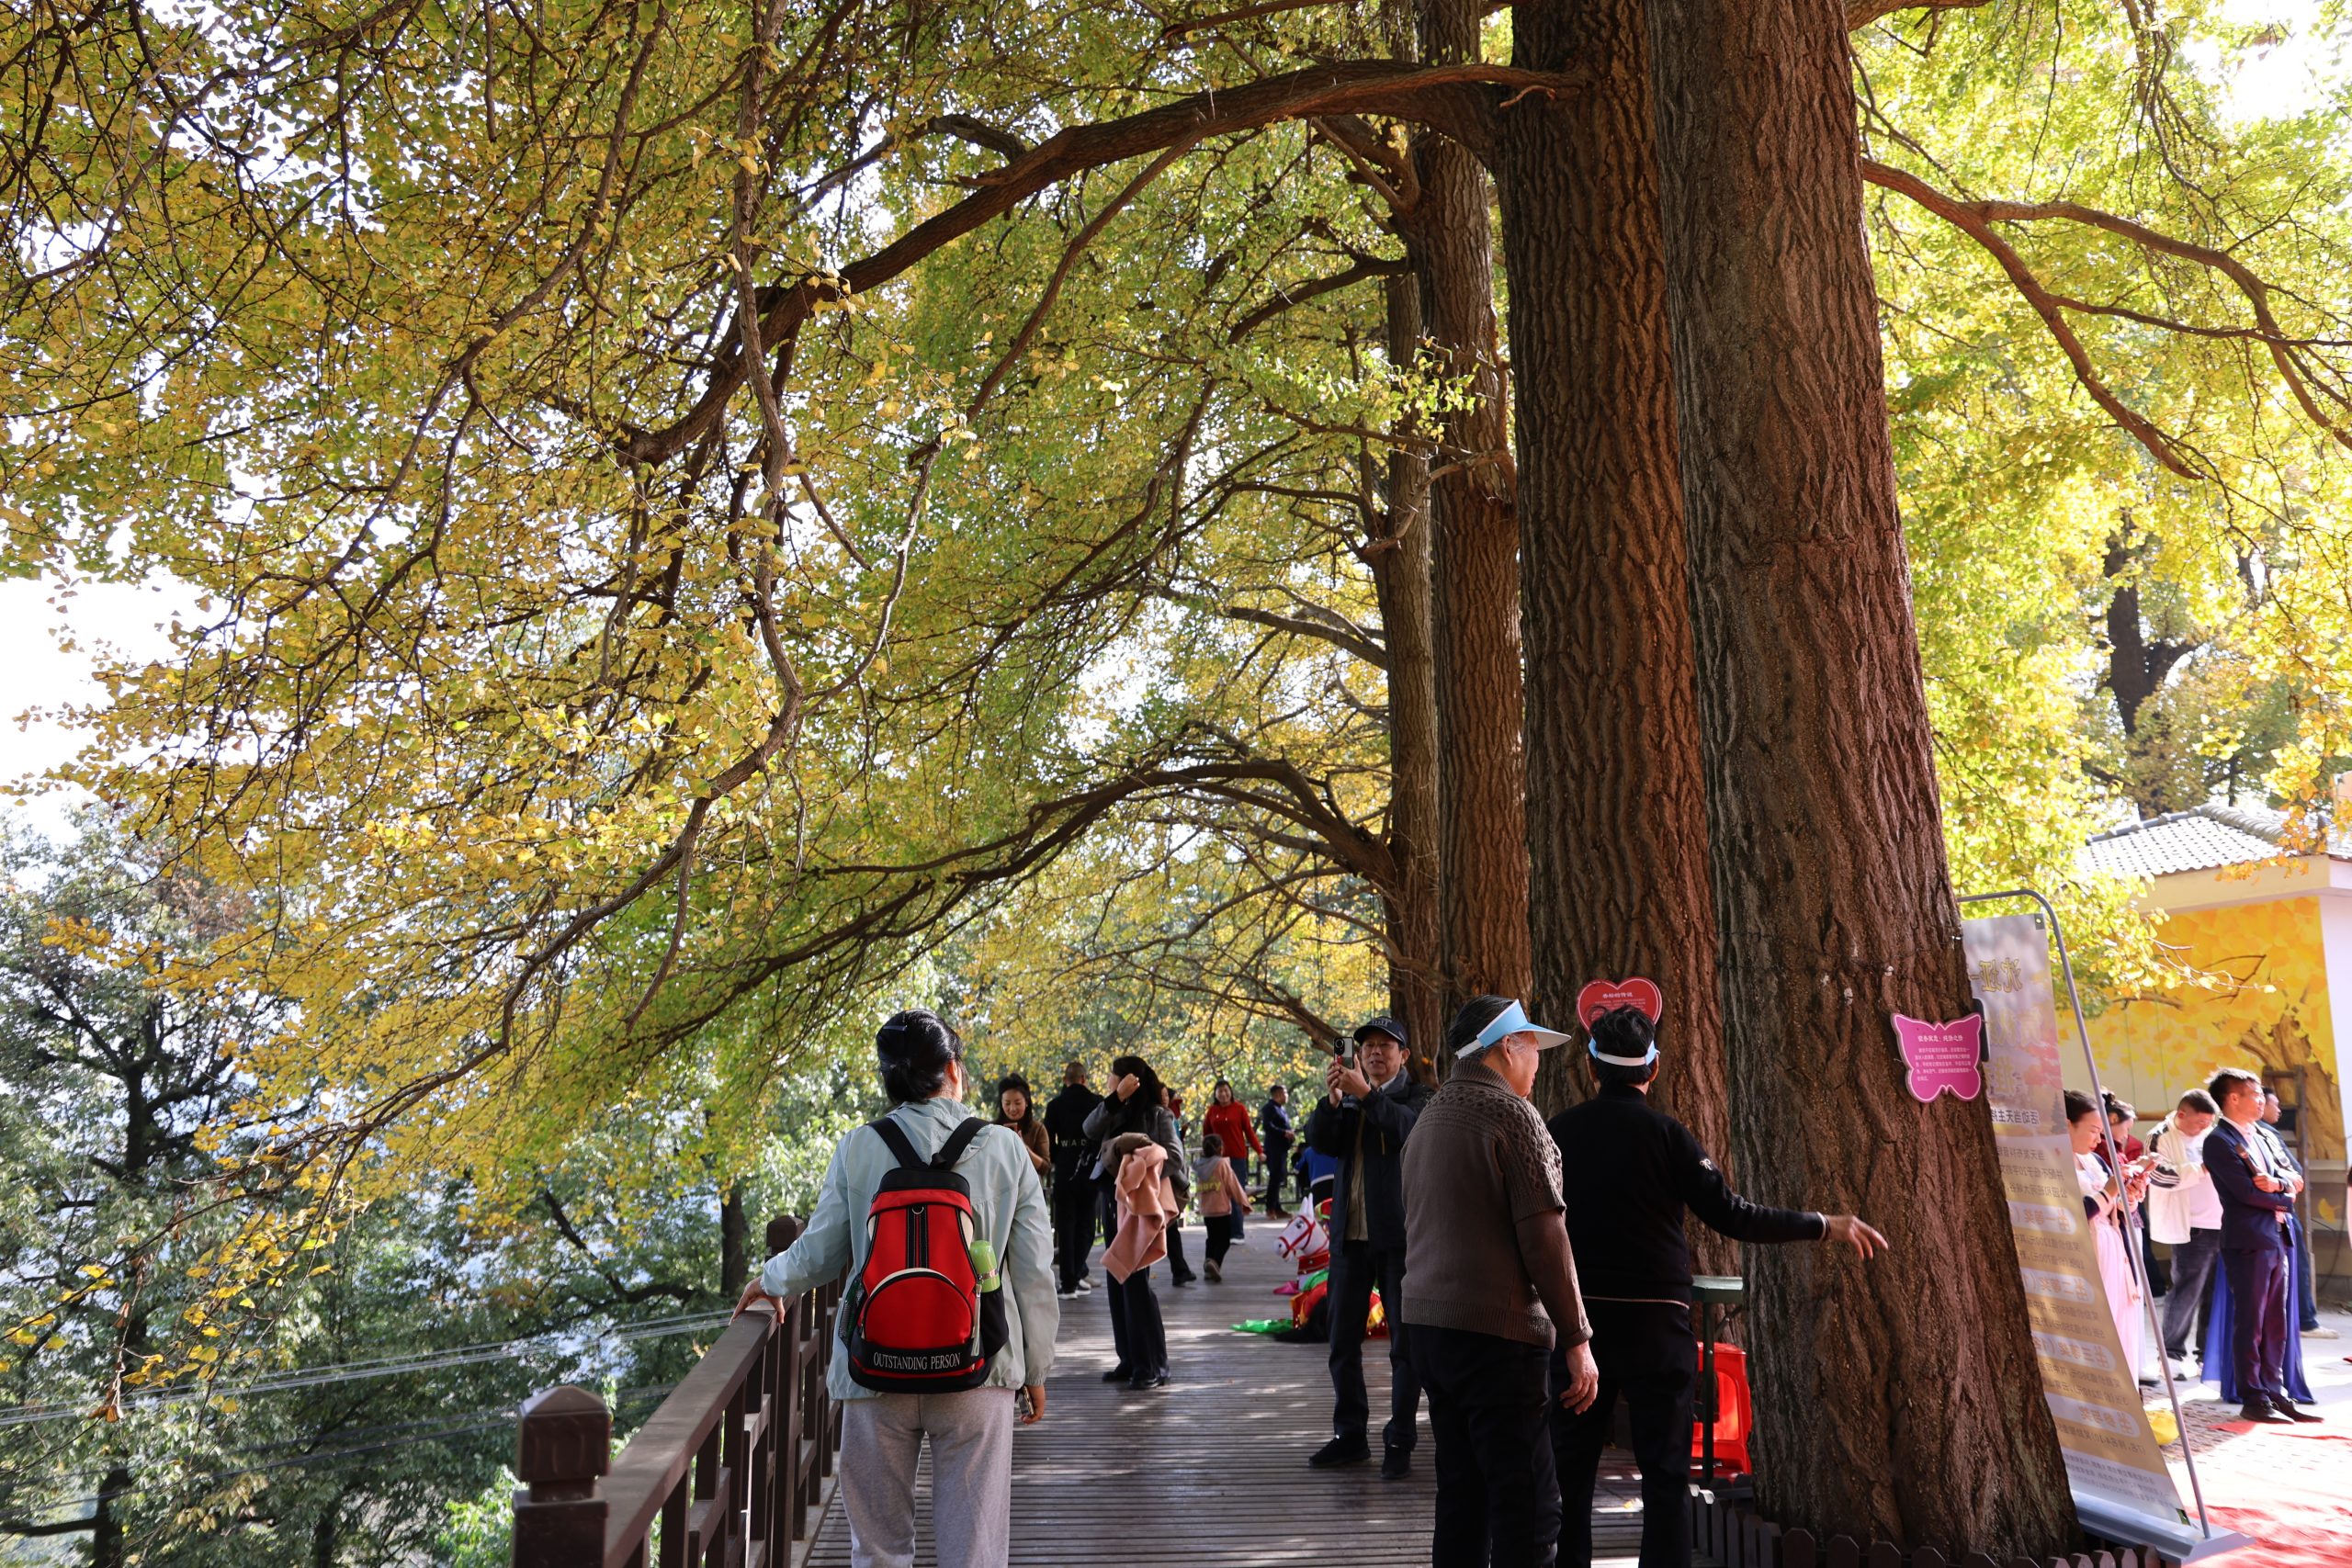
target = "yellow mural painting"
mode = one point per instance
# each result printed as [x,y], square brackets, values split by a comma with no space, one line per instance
[2252,993]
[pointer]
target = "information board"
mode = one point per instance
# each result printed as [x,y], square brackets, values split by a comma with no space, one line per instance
[2112,1461]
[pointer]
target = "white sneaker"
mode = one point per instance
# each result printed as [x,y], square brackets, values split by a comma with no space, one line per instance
[1085,1288]
[2322,1332]
[2181,1369]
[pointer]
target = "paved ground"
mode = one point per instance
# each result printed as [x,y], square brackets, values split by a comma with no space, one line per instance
[2289,1487]
[1211,1471]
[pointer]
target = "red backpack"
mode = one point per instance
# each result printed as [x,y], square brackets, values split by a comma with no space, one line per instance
[918,1320]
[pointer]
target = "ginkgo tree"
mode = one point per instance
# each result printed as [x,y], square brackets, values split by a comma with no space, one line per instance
[669,488]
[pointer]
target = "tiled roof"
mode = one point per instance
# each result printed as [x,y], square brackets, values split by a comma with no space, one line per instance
[2205,839]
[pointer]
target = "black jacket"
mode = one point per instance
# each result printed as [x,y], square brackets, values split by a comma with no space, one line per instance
[1629,1172]
[1113,1116]
[1066,1116]
[1385,1118]
[1274,1125]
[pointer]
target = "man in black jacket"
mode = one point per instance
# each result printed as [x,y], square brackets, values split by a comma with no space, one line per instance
[1363,1123]
[1276,1133]
[1630,1171]
[1074,1194]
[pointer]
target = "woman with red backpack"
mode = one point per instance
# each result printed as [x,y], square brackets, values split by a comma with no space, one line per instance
[939,1223]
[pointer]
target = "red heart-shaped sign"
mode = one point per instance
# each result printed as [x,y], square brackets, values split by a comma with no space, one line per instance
[1602,995]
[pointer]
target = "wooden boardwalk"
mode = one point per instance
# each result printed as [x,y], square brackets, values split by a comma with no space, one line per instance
[1211,1471]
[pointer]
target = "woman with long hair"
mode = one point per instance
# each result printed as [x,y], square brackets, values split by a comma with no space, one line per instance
[1136,1105]
[1014,1109]
[2104,1200]
[970,1430]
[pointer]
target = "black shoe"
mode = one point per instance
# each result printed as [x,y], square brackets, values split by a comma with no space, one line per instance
[2259,1408]
[1395,1465]
[1186,1279]
[1118,1374]
[2292,1411]
[1339,1451]
[1143,1380]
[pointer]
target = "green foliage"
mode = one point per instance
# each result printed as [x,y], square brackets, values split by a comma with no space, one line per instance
[2029,506]
[578,743]
[243,1423]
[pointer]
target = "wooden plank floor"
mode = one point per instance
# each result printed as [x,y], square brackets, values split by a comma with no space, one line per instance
[1211,1471]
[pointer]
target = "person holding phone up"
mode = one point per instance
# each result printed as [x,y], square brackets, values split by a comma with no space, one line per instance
[1369,1106]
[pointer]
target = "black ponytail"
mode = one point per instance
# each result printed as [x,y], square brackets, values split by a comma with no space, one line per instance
[915,1048]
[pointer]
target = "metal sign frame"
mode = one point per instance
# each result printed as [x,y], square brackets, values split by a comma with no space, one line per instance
[2211,1543]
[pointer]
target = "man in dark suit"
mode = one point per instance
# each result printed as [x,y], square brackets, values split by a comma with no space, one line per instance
[2258,1200]
[1371,1105]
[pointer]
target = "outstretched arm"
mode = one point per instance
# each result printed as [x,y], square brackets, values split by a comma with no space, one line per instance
[1709,1196]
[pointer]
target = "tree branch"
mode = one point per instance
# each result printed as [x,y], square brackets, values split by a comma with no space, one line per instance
[1338,633]
[1459,100]
[1860,13]
[1970,219]
[1300,294]
[1975,220]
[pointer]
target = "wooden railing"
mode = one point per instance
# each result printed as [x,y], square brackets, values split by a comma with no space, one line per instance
[727,1473]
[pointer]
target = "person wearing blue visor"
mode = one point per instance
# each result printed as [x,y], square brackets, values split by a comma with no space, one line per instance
[1631,1171]
[1490,1286]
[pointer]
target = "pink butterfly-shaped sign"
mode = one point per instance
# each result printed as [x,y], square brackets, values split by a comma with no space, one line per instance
[1942,1058]
[1602,996]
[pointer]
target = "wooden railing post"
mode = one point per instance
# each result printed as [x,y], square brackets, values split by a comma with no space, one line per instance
[563,1443]
[730,1467]
[785,1517]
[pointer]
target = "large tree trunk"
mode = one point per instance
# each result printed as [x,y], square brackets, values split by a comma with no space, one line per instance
[109,1543]
[1482,797]
[734,1244]
[1898,1399]
[1616,828]
[1401,578]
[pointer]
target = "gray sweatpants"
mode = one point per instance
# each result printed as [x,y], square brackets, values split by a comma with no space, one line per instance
[971,1476]
[2192,1276]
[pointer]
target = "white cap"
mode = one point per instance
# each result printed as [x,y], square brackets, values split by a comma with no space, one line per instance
[1513,1020]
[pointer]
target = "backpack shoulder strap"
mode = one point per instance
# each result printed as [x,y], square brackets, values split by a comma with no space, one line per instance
[894,1137]
[957,1141]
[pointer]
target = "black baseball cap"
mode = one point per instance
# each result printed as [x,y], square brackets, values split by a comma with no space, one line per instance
[1382,1024]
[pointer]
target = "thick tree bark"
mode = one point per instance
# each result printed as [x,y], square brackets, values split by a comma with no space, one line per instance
[1482,794]
[2137,664]
[1616,821]
[1898,1399]
[1401,578]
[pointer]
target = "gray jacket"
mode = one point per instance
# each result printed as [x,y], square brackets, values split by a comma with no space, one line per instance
[1007,1204]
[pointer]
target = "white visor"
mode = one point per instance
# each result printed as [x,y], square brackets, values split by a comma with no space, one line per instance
[1592,1048]
[1512,1021]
